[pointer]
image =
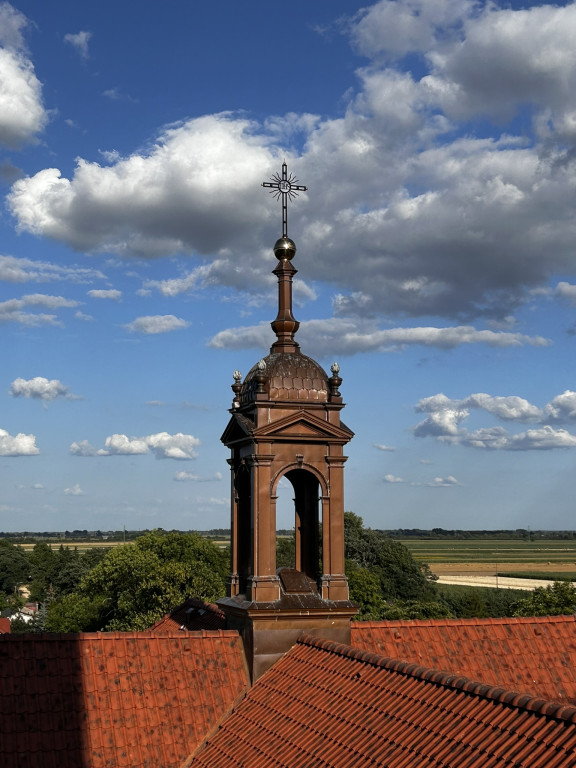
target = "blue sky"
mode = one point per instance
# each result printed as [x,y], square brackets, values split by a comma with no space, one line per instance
[436,252]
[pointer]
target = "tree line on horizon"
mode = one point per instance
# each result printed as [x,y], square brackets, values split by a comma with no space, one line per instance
[129,588]
[84,535]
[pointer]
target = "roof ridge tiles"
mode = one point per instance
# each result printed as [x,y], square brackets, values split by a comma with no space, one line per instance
[471,622]
[60,637]
[534,704]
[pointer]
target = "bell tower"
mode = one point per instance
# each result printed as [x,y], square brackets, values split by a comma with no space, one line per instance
[285,423]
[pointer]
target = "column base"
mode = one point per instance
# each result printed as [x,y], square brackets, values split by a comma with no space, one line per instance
[334,586]
[263,589]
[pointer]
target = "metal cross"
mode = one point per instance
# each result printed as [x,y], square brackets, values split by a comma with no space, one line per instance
[285,187]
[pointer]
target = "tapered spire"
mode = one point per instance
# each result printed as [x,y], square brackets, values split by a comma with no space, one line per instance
[285,325]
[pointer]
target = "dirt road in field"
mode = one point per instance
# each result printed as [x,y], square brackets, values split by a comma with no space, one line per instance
[496,582]
[485,574]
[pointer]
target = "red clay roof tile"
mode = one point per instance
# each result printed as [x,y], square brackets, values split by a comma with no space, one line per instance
[331,706]
[533,655]
[128,700]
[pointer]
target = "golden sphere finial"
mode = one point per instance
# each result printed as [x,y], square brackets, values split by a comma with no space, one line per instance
[284,248]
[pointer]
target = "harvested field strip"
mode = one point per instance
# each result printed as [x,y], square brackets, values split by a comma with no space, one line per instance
[544,551]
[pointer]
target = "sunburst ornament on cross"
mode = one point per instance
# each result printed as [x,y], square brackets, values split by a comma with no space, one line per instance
[284,187]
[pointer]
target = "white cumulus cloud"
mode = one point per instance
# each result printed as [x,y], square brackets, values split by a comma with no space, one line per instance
[15,310]
[17,445]
[567,291]
[561,408]
[190,477]
[40,388]
[348,336]
[23,270]
[510,408]
[75,490]
[79,41]
[22,114]
[83,448]
[445,417]
[152,324]
[105,293]
[162,445]
[443,482]
[181,192]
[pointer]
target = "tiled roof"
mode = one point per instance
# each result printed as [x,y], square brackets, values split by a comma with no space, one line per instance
[531,655]
[326,705]
[114,700]
[192,615]
[288,376]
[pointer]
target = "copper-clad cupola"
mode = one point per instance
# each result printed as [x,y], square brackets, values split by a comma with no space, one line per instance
[285,422]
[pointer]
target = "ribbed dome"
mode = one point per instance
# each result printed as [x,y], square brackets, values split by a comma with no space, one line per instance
[288,376]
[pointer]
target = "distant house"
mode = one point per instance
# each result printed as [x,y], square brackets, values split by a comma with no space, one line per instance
[27,612]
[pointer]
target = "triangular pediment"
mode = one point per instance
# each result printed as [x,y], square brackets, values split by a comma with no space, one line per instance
[303,425]
[239,428]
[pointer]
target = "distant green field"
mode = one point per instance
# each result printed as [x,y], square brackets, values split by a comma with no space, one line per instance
[547,575]
[81,546]
[492,550]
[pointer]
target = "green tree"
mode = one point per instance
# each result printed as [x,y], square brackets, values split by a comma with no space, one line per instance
[189,548]
[74,613]
[555,600]
[384,578]
[399,575]
[285,551]
[478,602]
[72,566]
[43,569]
[135,585]
[415,609]
[365,591]
[14,567]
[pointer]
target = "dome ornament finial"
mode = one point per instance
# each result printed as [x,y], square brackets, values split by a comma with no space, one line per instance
[334,383]
[261,377]
[236,388]
[284,187]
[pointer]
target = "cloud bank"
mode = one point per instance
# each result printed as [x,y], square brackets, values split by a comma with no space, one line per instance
[162,445]
[457,226]
[15,310]
[351,336]
[445,417]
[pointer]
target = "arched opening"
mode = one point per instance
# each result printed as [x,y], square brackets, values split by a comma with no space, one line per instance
[243,487]
[285,540]
[306,522]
